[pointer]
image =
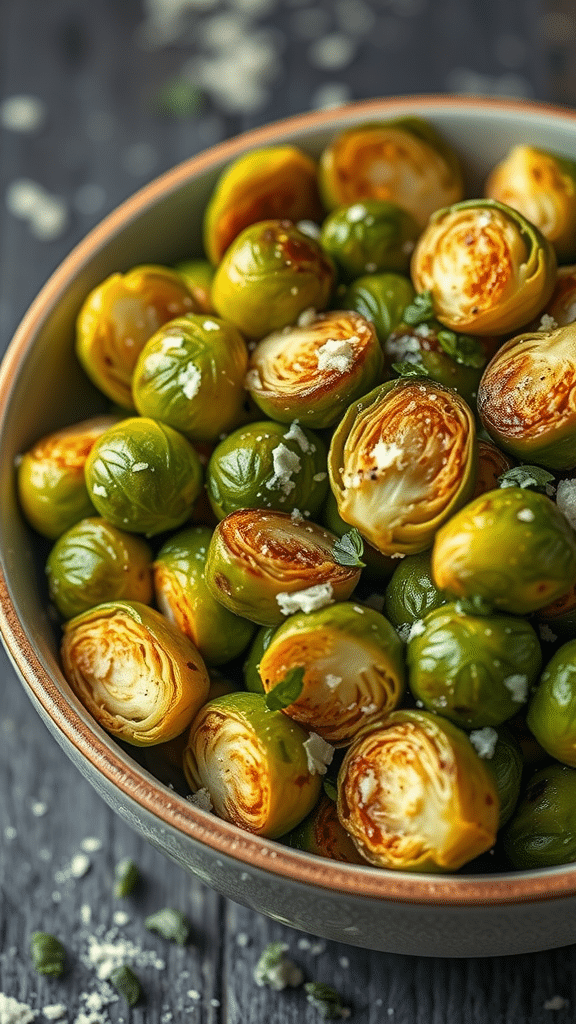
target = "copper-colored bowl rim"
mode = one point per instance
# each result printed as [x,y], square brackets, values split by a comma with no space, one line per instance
[171,810]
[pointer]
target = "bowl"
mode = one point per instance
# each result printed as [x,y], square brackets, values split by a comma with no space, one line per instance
[429,915]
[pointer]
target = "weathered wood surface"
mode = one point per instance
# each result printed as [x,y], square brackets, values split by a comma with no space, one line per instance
[100,140]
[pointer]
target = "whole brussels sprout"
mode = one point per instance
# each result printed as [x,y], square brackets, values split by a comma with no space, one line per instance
[322,834]
[251,667]
[190,375]
[369,236]
[117,319]
[313,371]
[558,619]
[511,547]
[474,670]
[94,562]
[381,298]
[506,764]
[50,477]
[136,673]
[542,831]
[414,794]
[377,567]
[542,186]
[411,592]
[198,276]
[552,710]
[143,476]
[430,350]
[265,565]
[253,762]
[488,269]
[492,464]
[405,161]
[269,275]
[350,659]
[268,465]
[401,461]
[183,597]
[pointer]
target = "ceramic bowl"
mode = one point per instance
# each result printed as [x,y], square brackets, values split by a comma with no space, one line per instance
[430,915]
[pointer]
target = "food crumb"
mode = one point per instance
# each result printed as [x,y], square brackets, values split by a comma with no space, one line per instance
[555,1003]
[38,808]
[54,1011]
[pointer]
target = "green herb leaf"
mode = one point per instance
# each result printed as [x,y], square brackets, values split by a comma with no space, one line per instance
[330,789]
[126,983]
[533,478]
[48,954]
[420,309]
[170,924]
[463,349]
[349,548]
[326,1000]
[126,878]
[286,691]
[275,969]
[410,370]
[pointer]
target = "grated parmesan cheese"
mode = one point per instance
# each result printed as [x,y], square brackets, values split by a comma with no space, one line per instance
[295,433]
[566,500]
[336,354]
[201,798]
[518,686]
[13,1012]
[308,600]
[285,463]
[484,741]
[189,379]
[547,323]
[319,754]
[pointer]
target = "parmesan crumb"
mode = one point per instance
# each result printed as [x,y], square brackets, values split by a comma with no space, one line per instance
[556,1003]
[201,798]
[547,323]
[285,463]
[484,741]
[518,686]
[336,354]
[566,500]
[308,600]
[416,629]
[546,633]
[13,1012]
[54,1011]
[307,317]
[319,754]
[526,515]
[295,433]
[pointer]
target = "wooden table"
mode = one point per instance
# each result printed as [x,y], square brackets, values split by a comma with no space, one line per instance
[100,70]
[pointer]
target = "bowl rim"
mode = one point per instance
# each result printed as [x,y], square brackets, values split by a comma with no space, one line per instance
[170,810]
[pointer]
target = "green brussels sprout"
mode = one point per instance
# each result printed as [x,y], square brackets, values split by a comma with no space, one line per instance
[198,276]
[474,670]
[558,619]
[117,319]
[251,667]
[135,672]
[352,669]
[381,298]
[268,465]
[401,461]
[488,269]
[552,710]
[527,396]
[412,593]
[94,562]
[377,567]
[512,547]
[276,181]
[255,764]
[405,161]
[414,794]
[542,831]
[561,309]
[429,349]
[313,371]
[143,476]
[322,834]
[269,275]
[183,597]
[265,565]
[369,237]
[492,464]
[190,375]
[504,759]
[50,477]
[542,186]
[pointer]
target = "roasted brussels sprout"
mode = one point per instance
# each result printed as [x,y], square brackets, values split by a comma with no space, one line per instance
[401,461]
[542,832]
[268,465]
[94,562]
[264,566]
[561,309]
[475,670]
[542,186]
[506,763]
[269,275]
[558,619]
[117,319]
[314,370]
[429,349]
[143,476]
[135,672]
[488,269]
[405,161]
[381,298]
[255,764]
[352,668]
[190,375]
[377,567]
[198,276]
[527,397]
[492,464]
[251,667]
[50,478]
[411,592]
[552,710]
[414,794]
[183,597]
[369,237]
[511,547]
[322,834]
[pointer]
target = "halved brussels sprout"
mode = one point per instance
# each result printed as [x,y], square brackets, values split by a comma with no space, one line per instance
[136,673]
[254,763]
[94,562]
[270,274]
[190,375]
[278,181]
[377,567]
[381,298]
[143,476]
[552,711]
[117,319]
[265,565]
[414,794]
[322,834]
[352,669]
[405,161]
[542,186]
[527,397]
[492,463]
[412,593]
[401,461]
[198,276]
[268,465]
[506,764]
[489,270]
[429,349]
[542,832]
[313,371]
[251,667]
[183,597]
[369,237]
[50,477]
[474,670]
[511,547]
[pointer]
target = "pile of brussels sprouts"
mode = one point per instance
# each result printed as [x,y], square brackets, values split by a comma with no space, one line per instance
[318,558]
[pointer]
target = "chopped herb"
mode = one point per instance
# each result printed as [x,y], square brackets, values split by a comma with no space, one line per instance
[410,370]
[126,878]
[48,954]
[420,309]
[533,478]
[349,548]
[276,970]
[170,924]
[474,605]
[326,1000]
[126,983]
[286,691]
[462,348]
